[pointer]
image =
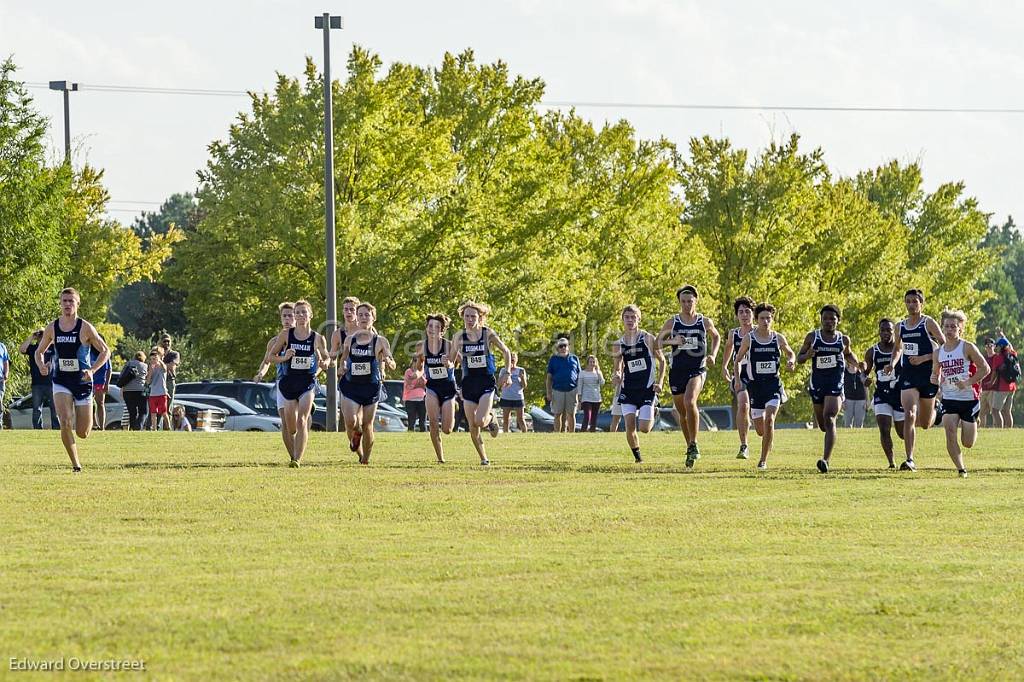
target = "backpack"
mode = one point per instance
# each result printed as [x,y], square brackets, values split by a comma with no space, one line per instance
[128,374]
[1009,371]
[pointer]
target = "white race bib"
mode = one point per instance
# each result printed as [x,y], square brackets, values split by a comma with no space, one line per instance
[910,348]
[476,361]
[360,369]
[765,367]
[954,379]
[638,365]
[884,378]
[437,372]
[825,361]
[302,363]
[689,343]
[68,364]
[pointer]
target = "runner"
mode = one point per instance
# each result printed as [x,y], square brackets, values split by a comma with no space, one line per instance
[440,375]
[688,332]
[473,348]
[830,350]
[348,326]
[960,367]
[302,351]
[362,356]
[287,312]
[762,350]
[634,356]
[71,337]
[916,339]
[886,402]
[744,309]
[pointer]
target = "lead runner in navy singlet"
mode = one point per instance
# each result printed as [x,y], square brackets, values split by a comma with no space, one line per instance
[439,373]
[303,352]
[472,348]
[688,334]
[287,312]
[917,335]
[72,370]
[364,357]
[829,351]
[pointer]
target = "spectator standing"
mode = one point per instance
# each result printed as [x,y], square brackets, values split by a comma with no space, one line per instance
[513,395]
[1006,365]
[42,386]
[100,384]
[590,383]
[156,379]
[988,384]
[414,394]
[172,360]
[855,394]
[5,371]
[562,381]
[133,387]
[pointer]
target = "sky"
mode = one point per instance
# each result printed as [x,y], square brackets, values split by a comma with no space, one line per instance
[943,54]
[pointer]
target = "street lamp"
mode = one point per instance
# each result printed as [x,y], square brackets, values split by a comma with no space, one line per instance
[66,87]
[326,22]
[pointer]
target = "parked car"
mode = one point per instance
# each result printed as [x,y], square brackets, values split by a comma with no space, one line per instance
[258,397]
[239,417]
[721,415]
[388,418]
[203,417]
[704,422]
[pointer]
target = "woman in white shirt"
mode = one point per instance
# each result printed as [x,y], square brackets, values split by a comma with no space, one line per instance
[589,387]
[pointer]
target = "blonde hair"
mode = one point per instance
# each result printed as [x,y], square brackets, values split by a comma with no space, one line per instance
[286,305]
[304,302]
[350,299]
[481,308]
[631,308]
[73,292]
[957,315]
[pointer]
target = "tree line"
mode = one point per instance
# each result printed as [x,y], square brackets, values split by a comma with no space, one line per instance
[453,183]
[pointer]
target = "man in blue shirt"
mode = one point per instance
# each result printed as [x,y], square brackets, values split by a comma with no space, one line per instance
[42,387]
[5,370]
[562,381]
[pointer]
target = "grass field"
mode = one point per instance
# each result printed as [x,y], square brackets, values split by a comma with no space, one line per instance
[208,558]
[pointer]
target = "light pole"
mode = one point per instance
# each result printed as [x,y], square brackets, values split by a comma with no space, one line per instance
[66,87]
[326,22]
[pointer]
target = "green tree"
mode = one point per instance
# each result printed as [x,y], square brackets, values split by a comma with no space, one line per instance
[148,307]
[1005,280]
[450,185]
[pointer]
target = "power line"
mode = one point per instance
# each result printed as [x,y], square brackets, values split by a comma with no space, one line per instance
[145,90]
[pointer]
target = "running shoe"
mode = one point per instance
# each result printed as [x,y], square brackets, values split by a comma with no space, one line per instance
[822,466]
[762,465]
[637,457]
[692,455]
[76,470]
[963,473]
[742,454]
[908,466]
[493,428]
[485,462]
[293,463]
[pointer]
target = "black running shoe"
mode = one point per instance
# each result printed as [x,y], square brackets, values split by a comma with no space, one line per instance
[908,466]
[822,466]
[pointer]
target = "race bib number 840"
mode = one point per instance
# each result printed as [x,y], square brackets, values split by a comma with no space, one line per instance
[638,365]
